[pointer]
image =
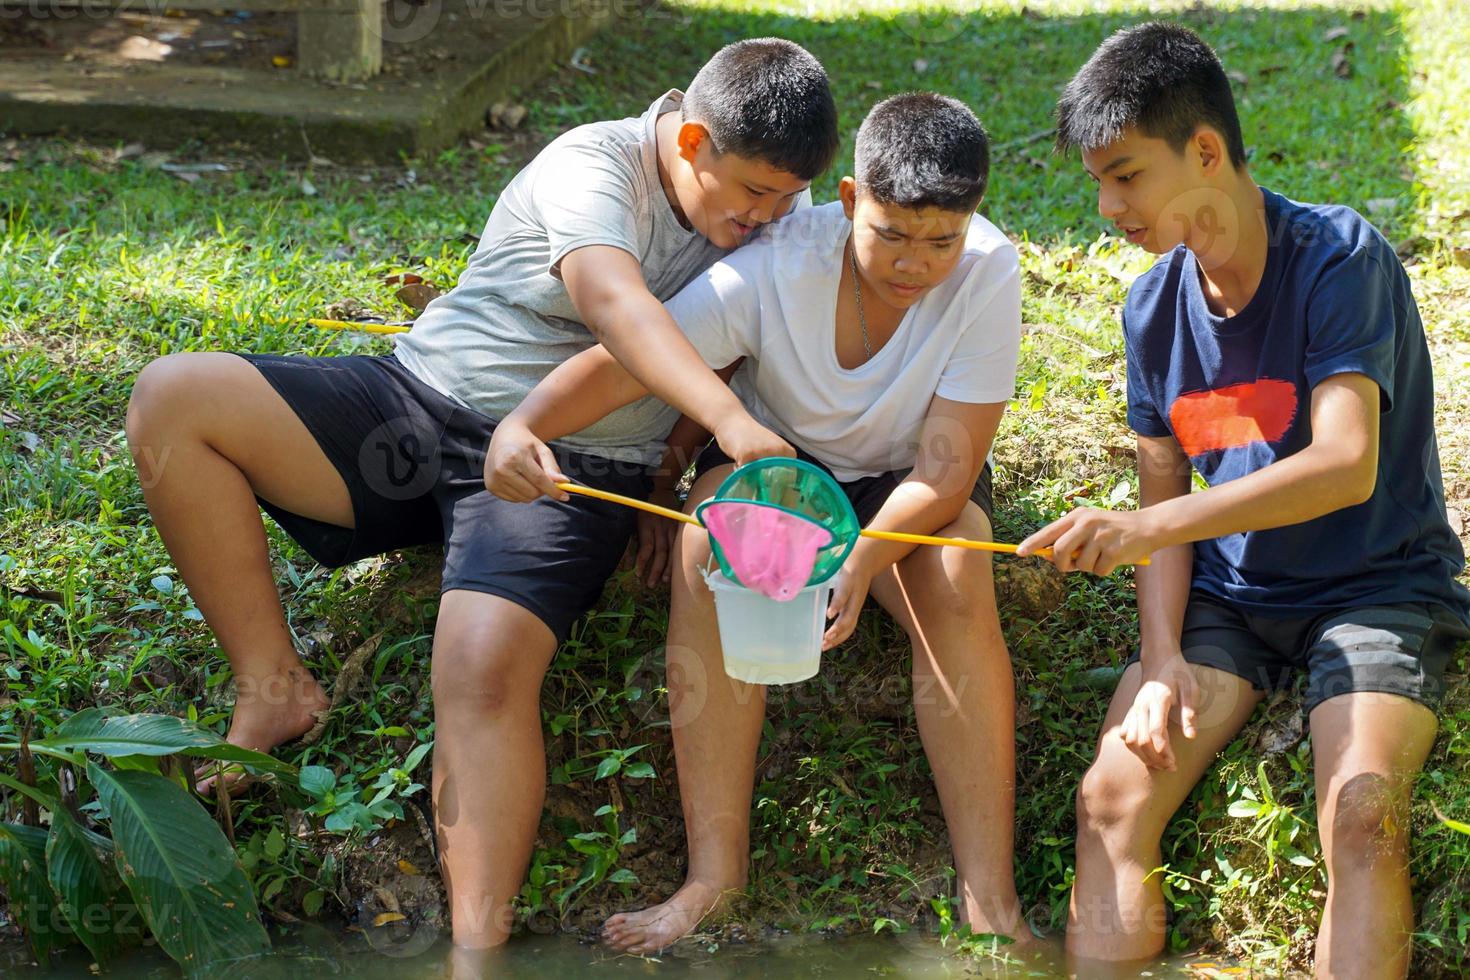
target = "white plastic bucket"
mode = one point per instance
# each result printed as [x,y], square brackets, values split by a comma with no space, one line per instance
[770,642]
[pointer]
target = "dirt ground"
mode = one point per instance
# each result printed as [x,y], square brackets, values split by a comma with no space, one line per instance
[232,39]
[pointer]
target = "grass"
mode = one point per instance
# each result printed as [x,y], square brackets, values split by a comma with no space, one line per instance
[107,263]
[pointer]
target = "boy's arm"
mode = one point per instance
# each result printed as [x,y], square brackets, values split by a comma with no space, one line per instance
[580,391]
[606,285]
[684,441]
[953,443]
[583,389]
[1168,690]
[1339,469]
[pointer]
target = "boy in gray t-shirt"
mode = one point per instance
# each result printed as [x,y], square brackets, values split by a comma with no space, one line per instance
[355,456]
[511,319]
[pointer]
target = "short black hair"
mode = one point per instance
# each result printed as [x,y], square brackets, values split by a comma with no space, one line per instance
[1162,78]
[767,99]
[920,150]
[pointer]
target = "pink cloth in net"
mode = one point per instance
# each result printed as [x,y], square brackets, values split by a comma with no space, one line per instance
[769,550]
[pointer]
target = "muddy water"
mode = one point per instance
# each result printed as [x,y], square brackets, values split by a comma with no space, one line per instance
[313,951]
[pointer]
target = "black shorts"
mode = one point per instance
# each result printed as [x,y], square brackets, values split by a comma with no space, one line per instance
[414,460]
[1401,649]
[866,494]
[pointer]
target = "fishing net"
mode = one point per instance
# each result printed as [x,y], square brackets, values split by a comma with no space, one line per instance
[778,525]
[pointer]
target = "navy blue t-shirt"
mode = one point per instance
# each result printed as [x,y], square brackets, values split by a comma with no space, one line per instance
[1236,394]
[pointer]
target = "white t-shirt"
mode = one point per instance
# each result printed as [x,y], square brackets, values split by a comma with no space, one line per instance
[774,301]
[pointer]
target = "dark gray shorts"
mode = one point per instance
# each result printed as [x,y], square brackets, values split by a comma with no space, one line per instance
[1399,649]
[414,464]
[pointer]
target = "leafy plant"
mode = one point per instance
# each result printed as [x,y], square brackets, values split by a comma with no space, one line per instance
[337,800]
[966,942]
[615,761]
[1275,824]
[556,877]
[167,865]
[601,848]
[337,797]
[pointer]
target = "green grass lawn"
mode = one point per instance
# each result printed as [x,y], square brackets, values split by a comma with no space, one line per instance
[106,264]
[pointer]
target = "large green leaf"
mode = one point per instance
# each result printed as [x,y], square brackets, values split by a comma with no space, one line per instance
[94,731]
[91,895]
[249,758]
[23,874]
[121,735]
[180,870]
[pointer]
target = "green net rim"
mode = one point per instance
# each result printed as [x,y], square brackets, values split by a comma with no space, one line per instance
[766,463]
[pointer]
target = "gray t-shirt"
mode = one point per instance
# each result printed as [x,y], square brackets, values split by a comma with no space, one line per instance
[509,321]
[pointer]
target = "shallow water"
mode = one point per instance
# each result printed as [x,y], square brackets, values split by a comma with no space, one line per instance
[315,951]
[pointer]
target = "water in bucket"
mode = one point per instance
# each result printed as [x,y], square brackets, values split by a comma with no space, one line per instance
[770,641]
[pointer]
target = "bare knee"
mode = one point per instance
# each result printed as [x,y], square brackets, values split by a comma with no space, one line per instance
[692,545]
[1110,808]
[160,390]
[1367,822]
[481,681]
[694,550]
[157,410]
[490,656]
[949,581]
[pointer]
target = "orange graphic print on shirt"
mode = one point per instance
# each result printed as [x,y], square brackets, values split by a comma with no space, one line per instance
[1233,417]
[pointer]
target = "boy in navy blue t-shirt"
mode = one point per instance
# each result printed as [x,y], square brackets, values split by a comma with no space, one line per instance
[1276,350]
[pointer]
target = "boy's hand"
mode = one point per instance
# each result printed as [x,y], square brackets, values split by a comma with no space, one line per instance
[1168,695]
[744,439]
[1092,540]
[654,562]
[849,592]
[520,468]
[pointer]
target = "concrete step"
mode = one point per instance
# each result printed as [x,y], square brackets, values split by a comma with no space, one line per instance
[482,51]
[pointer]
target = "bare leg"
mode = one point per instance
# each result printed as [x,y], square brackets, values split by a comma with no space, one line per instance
[1367,750]
[490,656]
[208,432]
[964,700]
[716,723]
[1123,806]
[465,963]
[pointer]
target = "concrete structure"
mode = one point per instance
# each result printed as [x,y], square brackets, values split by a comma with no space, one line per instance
[336,103]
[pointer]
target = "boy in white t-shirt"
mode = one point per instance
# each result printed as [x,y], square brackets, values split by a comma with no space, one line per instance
[878,335]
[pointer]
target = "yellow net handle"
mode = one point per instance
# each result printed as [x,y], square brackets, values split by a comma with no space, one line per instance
[642,505]
[364,327]
[674,515]
[992,546]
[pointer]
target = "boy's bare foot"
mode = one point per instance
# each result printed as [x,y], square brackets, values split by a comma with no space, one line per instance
[271,708]
[649,930]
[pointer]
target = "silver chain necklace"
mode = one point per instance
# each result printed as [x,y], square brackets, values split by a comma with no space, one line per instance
[857,294]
